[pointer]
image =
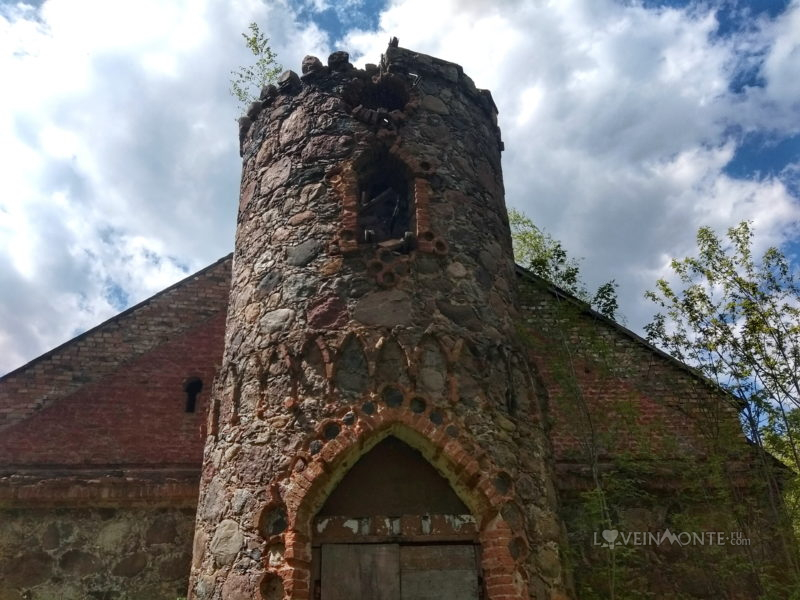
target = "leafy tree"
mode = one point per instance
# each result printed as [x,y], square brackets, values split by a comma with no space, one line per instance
[737,320]
[539,252]
[247,81]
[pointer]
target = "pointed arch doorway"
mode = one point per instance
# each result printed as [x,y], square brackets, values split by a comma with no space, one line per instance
[394,529]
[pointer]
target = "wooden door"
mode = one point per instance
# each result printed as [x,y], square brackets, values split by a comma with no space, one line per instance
[360,572]
[394,572]
[438,572]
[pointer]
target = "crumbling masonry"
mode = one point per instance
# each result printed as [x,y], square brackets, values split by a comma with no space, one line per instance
[373,299]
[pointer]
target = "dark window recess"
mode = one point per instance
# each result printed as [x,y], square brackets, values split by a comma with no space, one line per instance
[193,387]
[387,93]
[384,211]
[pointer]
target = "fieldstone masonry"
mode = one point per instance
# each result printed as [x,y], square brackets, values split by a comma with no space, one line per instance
[375,325]
[373,295]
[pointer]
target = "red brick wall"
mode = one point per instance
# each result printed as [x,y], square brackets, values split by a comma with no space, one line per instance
[135,415]
[604,383]
[115,395]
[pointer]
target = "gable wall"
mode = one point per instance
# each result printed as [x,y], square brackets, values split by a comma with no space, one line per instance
[98,352]
[603,383]
[135,415]
[669,454]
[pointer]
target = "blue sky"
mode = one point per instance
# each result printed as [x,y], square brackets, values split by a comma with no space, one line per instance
[627,125]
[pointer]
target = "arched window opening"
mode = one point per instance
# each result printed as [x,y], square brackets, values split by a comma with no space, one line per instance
[385,203]
[192,388]
[394,528]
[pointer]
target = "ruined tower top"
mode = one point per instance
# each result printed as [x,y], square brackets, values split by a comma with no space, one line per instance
[397,165]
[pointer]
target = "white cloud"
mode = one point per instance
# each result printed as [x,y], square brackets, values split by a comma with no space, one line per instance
[617,121]
[119,146]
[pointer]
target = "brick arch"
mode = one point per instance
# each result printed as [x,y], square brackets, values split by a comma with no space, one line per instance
[344,182]
[449,452]
[352,340]
[382,365]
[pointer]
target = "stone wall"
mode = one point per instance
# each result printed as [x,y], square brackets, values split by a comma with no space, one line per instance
[341,334]
[95,553]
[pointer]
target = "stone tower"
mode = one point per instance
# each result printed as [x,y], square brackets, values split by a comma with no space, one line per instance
[375,431]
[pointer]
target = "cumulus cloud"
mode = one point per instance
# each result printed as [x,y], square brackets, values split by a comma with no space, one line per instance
[120,153]
[119,146]
[619,120]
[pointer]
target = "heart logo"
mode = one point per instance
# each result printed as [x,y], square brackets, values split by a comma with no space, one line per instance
[610,535]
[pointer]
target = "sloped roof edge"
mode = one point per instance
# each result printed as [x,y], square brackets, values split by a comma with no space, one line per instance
[116,317]
[585,308]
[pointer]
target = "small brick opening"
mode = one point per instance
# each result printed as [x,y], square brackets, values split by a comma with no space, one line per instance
[192,389]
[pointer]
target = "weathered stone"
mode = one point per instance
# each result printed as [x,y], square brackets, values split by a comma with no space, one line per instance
[114,535]
[328,313]
[51,537]
[161,531]
[268,92]
[332,266]
[174,567]
[26,570]
[289,82]
[327,146]
[226,542]
[298,286]
[79,563]
[293,128]
[431,380]
[238,587]
[276,320]
[247,195]
[130,566]
[311,193]
[351,369]
[339,61]
[199,547]
[456,270]
[276,174]
[311,64]
[252,312]
[204,588]
[435,105]
[253,109]
[385,308]
[549,561]
[303,253]
[461,314]
[212,503]
[244,128]
[301,217]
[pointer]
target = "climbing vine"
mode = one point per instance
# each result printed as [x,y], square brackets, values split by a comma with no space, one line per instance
[653,446]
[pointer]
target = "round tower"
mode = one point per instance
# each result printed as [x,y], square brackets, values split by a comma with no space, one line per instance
[374,431]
